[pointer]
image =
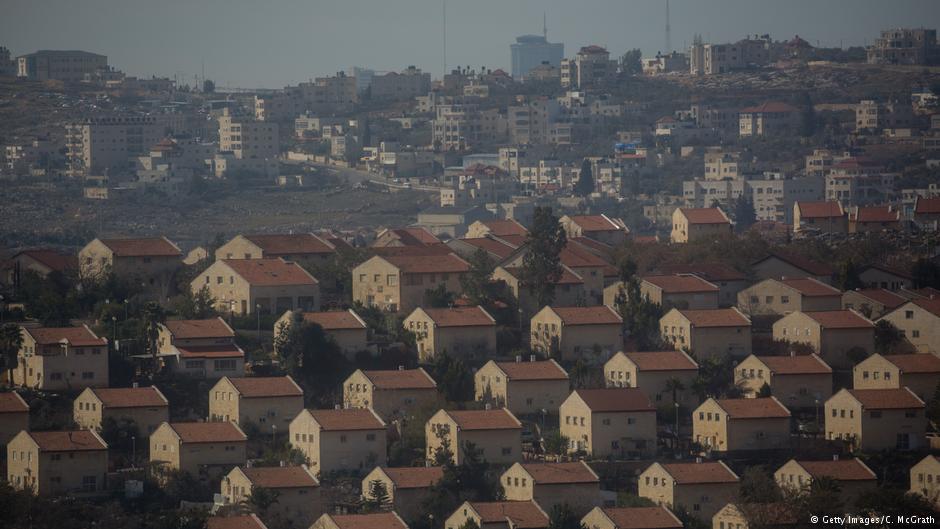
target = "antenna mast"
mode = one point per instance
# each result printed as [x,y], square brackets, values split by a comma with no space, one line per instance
[668,37]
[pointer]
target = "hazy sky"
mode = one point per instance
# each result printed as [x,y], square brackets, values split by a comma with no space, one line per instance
[271,43]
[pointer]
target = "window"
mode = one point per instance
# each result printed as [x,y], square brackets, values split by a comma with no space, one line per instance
[507,451]
[370,437]
[224,365]
[908,314]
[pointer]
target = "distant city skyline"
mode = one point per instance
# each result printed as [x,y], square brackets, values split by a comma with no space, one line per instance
[250,44]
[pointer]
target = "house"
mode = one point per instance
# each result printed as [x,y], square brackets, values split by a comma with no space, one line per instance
[499,515]
[61,359]
[773,118]
[146,408]
[595,271]
[754,515]
[920,373]
[339,439]
[852,475]
[927,213]
[148,263]
[925,479]
[686,291]
[569,289]
[271,286]
[701,488]
[265,402]
[874,219]
[496,228]
[797,381]
[919,323]
[391,394]
[238,521]
[776,297]
[307,248]
[699,224]
[872,302]
[732,425]
[820,217]
[399,237]
[497,433]
[55,463]
[406,487]
[728,280]
[706,333]
[777,265]
[40,261]
[880,276]
[496,248]
[651,372]
[468,333]
[657,517]
[200,348]
[14,416]
[344,327]
[524,388]
[379,520]
[837,336]
[297,489]
[609,422]
[597,227]
[398,283]
[570,333]
[876,419]
[204,449]
[553,484]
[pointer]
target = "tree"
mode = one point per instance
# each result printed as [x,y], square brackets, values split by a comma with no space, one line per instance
[475,283]
[893,503]
[824,497]
[807,116]
[716,378]
[541,265]
[630,62]
[153,317]
[312,358]
[933,407]
[11,339]
[926,273]
[261,499]
[758,486]
[438,297]
[585,184]
[744,214]
[563,517]
[764,391]
[208,86]
[195,306]
[887,337]
[555,443]
[640,315]
[379,499]
[453,377]
[847,277]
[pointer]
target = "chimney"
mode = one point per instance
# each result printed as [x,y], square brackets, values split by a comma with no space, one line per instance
[835,457]
[401,368]
[531,358]
[487,406]
[698,459]
[518,358]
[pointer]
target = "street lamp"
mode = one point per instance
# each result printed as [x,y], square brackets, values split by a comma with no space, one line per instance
[258,313]
[273,435]
[3,308]
[114,329]
[676,404]
[125,310]
[134,451]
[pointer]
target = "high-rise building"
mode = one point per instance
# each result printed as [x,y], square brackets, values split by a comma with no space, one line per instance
[59,65]
[530,51]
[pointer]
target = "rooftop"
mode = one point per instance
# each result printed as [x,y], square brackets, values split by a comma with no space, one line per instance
[460,317]
[210,351]
[877,214]
[335,320]
[657,517]
[12,402]
[68,441]
[680,283]
[520,514]
[75,336]
[400,379]
[704,472]
[500,228]
[705,216]
[820,210]
[759,408]
[811,287]
[807,265]
[842,469]
[347,419]
[795,365]
[270,272]
[260,387]
[886,399]
[241,521]
[280,477]
[154,247]
[915,363]
[715,318]
[840,319]
[379,520]
[291,244]
[707,271]
[772,107]
[887,298]
[208,432]
[597,223]
[499,419]
[418,264]
[927,206]
[553,473]
[147,397]
[597,315]
[209,328]
[607,400]
[414,477]
[661,360]
[538,370]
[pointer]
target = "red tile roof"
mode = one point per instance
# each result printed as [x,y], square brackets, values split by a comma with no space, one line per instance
[700,473]
[927,206]
[210,351]
[642,518]
[155,247]
[761,408]
[270,272]
[795,365]
[807,265]
[499,419]
[347,419]
[930,305]
[915,363]
[148,397]
[597,315]
[877,214]
[51,259]
[497,247]
[460,317]
[75,336]
[261,387]
[820,210]
[705,216]
[886,399]
[610,400]
[539,370]
[292,244]
[772,107]
[188,329]
[448,263]
[575,256]
[379,520]
[400,379]
[840,319]
[680,283]
[568,276]
[208,432]
[500,228]
[411,251]
[520,514]
[555,473]
[335,320]
[842,469]
[592,245]
[707,271]
[410,236]
[69,441]
[291,477]
[662,361]
[597,223]
[242,521]
[12,402]
[715,318]
[811,287]
[887,298]
[414,477]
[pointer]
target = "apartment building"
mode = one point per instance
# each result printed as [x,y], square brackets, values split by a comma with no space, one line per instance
[773,297]
[653,373]
[853,476]
[391,394]
[107,145]
[587,333]
[702,488]
[608,230]
[148,263]
[876,419]
[496,433]
[768,119]
[347,330]
[872,302]
[797,381]
[919,373]
[680,290]
[339,439]
[696,224]
[306,248]
[70,66]
[265,402]
[200,348]
[711,59]
[872,116]
[569,289]
[919,323]
[460,126]
[590,69]
[296,487]
[904,46]
[733,425]
[145,408]
[462,332]
[859,181]
[397,283]
[14,416]
[61,359]
[269,286]
[714,332]
[618,422]
[834,334]
[203,449]
[524,388]
[530,51]
[406,487]
[58,463]
[572,483]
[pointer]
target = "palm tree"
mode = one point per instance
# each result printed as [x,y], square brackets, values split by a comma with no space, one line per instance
[11,339]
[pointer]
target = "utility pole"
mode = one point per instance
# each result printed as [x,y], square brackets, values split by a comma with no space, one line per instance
[668,36]
[444,32]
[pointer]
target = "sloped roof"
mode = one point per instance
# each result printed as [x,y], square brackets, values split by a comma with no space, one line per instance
[499,419]
[886,399]
[568,276]
[260,387]
[400,379]
[414,477]
[680,283]
[270,272]
[705,216]
[930,305]
[927,206]
[291,244]
[820,210]
[411,236]
[597,315]
[795,365]
[887,298]
[840,319]
[771,107]
[147,397]
[210,351]
[715,318]
[807,265]
[810,287]
[68,441]
[498,247]
[597,223]
[208,432]
[609,400]
[242,521]
[460,317]
[657,517]
[75,336]
[280,477]
[208,328]
[877,214]
[154,247]
[52,259]
[335,320]
[500,227]
[521,514]
[707,271]
[759,408]
[539,370]
[704,472]
[915,363]
[662,360]
[555,473]
[12,402]
[419,264]
[347,419]
[379,520]
[842,469]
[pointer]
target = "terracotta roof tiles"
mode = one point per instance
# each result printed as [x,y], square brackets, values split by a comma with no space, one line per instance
[208,432]
[807,265]
[68,441]
[759,408]
[460,317]
[208,328]
[280,477]
[842,469]
[680,283]
[609,400]
[877,214]
[538,370]
[270,272]
[153,247]
[810,287]
[498,419]
[347,419]
[291,244]
[335,320]
[597,315]
[242,521]
[820,210]
[715,318]
[210,351]
[795,365]
[597,223]
[261,387]
[657,517]
[662,361]
[840,319]
[705,216]
[400,379]
[75,336]
[414,477]
[499,227]
[880,295]
[147,397]
[915,363]
[520,514]
[555,473]
[379,520]
[886,399]
[12,402]
[52,259]
[447,263]
[927,206]
[698,473]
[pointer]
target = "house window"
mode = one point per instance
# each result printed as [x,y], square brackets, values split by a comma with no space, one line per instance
[370,437]
[224,365]
[908,314]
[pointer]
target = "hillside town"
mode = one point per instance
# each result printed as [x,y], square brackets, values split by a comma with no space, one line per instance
[601,290]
